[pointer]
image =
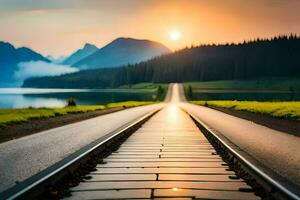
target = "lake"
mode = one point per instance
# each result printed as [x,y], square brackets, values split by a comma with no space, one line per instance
[244,95]
[29,97]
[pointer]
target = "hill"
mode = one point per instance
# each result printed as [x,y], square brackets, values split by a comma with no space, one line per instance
[80,54]
[10,57]
[262,58]
[122,51]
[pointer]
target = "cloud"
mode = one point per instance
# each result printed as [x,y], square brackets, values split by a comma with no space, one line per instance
[57,60]
[41,68]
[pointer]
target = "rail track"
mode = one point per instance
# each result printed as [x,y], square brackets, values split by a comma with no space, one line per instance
[166,154]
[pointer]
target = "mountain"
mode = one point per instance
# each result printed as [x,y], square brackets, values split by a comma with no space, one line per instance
[10,57]
[122,51]
[80,54]
[263,58]
[56,60]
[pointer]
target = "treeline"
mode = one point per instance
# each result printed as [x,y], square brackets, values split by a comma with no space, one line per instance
[260,58]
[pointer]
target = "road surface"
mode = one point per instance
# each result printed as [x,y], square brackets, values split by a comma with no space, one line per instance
[167,157]
[276,150]
[24,157]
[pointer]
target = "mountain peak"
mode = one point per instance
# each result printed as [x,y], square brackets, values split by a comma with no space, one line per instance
[88,46]
[122,51]
[6,46]
[80,54]
[125,38]
[128,39]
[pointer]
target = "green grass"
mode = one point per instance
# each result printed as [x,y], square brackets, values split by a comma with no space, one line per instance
[145,86]
[128,104]
[9,116]
[158,90]
[270,84]
[287,110]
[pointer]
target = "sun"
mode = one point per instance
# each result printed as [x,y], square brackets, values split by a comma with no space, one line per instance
[174,35]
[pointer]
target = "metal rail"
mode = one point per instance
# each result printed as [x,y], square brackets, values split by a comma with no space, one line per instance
[168,157]
[268,184]
[265,184]
[38,184]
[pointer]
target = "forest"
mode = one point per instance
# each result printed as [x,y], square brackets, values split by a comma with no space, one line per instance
[278,57]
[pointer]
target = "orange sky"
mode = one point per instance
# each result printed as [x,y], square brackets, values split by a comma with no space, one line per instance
[58,27]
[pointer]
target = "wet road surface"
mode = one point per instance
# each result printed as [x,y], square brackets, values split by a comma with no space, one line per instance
[24,157]
[168,157]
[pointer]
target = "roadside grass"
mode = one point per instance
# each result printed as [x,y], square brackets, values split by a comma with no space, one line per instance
[128,104]
[263,84]
[286,110]
[9,116]
[158,90]
[145,86]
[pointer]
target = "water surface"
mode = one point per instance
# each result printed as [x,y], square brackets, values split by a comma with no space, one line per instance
[29,97]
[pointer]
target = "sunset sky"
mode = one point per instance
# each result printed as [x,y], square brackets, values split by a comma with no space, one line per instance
[58,27]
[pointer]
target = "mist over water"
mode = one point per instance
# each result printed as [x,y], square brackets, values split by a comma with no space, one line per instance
[41,68]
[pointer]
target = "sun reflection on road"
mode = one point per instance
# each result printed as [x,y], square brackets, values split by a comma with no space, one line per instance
[173,117]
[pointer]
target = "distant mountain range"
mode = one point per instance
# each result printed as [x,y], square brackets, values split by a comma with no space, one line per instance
[10,57]
[122,51]
[80,54]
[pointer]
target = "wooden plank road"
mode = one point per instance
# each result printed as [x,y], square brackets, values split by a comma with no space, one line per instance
[167,158]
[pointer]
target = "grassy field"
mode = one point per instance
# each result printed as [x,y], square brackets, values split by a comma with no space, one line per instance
[159,90]
[147,86]
[272,84]
[8,116]
[287,110]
